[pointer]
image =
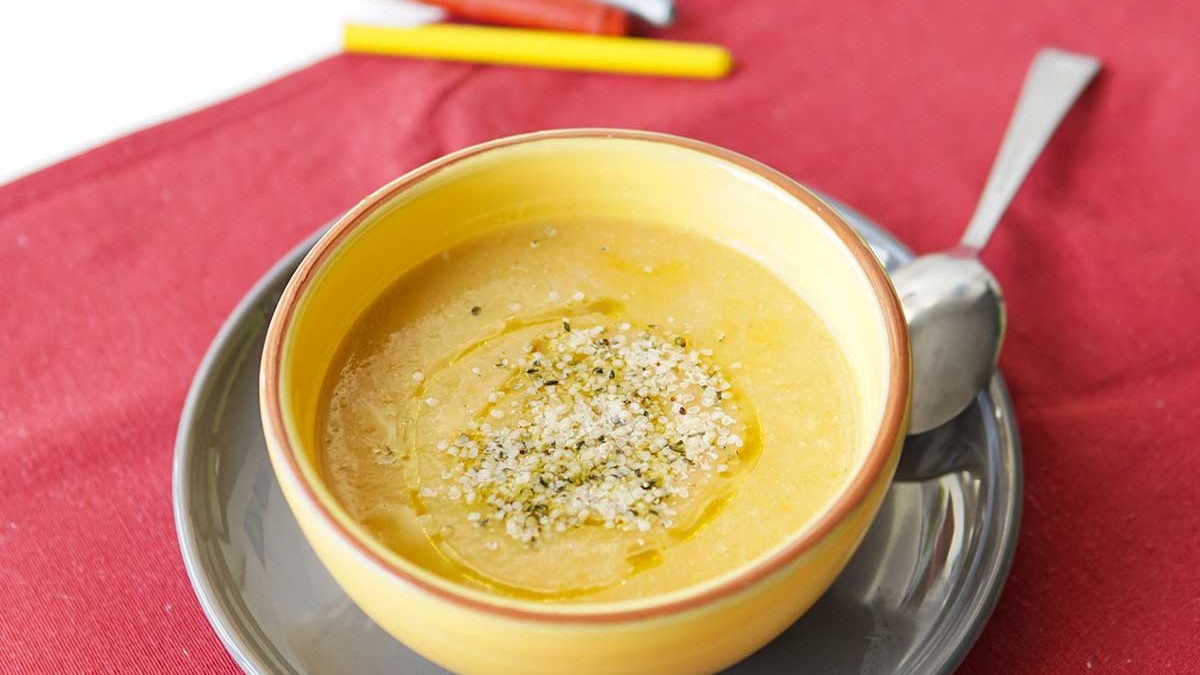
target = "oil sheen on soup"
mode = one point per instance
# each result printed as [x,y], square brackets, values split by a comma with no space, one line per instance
[588,412]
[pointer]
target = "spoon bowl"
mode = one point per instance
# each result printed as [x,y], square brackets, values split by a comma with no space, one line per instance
[955,313]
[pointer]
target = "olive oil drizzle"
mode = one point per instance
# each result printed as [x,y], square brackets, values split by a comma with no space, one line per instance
[640,559]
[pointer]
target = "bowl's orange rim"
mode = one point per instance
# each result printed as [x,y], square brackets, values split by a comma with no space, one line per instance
[890,428]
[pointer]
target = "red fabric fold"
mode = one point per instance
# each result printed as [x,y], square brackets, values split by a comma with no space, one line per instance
[118,266]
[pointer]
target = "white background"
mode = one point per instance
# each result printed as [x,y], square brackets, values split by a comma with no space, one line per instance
[77,73]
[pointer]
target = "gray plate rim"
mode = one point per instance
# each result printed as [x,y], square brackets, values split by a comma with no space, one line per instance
[941,655]
[207,593]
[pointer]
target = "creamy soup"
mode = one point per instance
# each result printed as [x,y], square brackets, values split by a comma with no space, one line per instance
[587,412]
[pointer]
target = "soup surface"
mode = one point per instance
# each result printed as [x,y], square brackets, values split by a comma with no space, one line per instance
[587,412]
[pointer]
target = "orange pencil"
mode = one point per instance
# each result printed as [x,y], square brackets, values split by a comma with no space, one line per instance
[582,16]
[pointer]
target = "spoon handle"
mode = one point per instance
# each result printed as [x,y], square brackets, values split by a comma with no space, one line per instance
[1055,80]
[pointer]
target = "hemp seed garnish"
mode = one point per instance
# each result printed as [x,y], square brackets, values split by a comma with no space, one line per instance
[601,426]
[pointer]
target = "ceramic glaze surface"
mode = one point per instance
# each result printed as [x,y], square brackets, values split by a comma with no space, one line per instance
[570,176]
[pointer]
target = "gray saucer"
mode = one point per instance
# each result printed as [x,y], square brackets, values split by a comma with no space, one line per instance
[913,599]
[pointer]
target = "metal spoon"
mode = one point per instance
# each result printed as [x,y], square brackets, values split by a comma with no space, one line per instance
[954,306]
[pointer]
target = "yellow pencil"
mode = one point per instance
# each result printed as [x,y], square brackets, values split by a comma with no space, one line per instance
[546,49]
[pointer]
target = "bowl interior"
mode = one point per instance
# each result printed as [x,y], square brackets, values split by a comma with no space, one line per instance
[557,178]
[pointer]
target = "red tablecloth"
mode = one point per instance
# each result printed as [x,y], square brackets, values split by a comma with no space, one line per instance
[117,267]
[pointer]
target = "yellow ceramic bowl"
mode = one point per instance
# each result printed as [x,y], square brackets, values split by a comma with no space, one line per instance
[561,175]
